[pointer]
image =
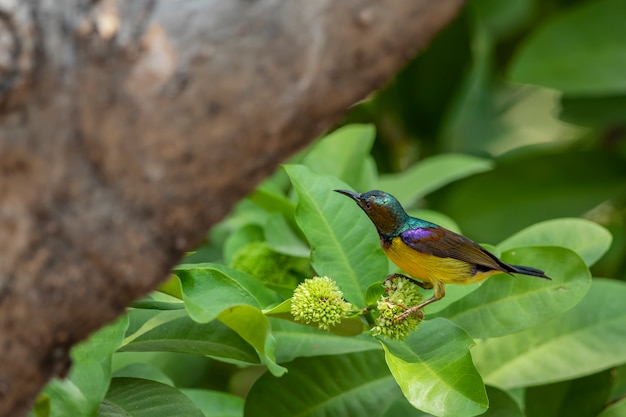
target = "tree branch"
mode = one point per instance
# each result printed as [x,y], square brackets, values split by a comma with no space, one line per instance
[128,128]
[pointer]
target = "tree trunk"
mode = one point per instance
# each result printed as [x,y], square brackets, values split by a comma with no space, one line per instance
[128,128]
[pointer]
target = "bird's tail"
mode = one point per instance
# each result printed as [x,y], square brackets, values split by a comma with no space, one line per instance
[527,270]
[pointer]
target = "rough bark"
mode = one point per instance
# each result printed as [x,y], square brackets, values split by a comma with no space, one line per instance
[128,128]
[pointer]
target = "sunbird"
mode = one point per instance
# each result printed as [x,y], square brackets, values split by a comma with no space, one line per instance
[433,255]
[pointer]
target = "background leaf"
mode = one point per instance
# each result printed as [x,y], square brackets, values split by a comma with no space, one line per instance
[588,239]
[518,192]
[176,369]
[582,397]
[617,409]
[587,339]
[282,239]
[88,380]
[356,384]
[402,407]
[345,154]
[593,111]
[580,51]
[471,122]
[209,289]
[271,197]
[434,369]
[343,241]
[132,397]
[506,304]
[215,403]
[501,404]
[239,239]
[295,340]
[430,174]
[502,19]
[250,323]
[144,371]
[169,331]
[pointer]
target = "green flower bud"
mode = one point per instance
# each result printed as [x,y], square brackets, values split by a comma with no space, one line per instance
[319,300]
[401,294]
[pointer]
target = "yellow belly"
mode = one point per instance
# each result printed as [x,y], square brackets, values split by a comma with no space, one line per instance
[432,269]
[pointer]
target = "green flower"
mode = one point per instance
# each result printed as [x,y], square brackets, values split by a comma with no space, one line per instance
[319,300]
[401,294]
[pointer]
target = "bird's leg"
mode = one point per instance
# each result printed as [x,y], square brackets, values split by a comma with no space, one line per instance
[424,285]
[440,292]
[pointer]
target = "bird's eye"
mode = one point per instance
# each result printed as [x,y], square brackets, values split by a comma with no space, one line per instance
[368,205]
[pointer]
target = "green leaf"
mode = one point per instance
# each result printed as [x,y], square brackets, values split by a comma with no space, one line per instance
[171,287]
[209,289]
[619,382]
[593,111]
[581,51]
[431,174]
[348,326]
[506,304]
[588,239]
[279,309]
[501,404]
[617,409]
[529,123]
[215,403]
[182,369]
[272,199]
[88,380]
[511,198]
[159,300]
[240,238]
[472,122]
[356,384]
[143,370]
[402,407]
[582,397]
[344,154]
[587,339]
[373,293]
[503,18]
[295,340]
[434,369]
[131,397]
[41,408]
[282,239]
[171,331]
[453,294]
[343,241]
[250,323]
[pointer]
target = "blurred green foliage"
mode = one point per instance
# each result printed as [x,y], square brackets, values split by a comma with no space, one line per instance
[511,128]
[537,87]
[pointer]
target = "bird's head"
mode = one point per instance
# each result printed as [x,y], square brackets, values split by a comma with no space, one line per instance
[383,209]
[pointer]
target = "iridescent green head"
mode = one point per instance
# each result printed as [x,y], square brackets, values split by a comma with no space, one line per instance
[383,209]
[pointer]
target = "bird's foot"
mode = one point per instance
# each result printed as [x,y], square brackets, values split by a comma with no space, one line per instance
[417,310]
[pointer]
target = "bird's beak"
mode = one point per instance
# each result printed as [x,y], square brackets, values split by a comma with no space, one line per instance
[355,196]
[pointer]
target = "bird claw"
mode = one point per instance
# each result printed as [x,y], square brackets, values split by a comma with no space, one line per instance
[409,312]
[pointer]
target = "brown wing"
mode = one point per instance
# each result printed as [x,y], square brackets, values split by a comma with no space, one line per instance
[444,243]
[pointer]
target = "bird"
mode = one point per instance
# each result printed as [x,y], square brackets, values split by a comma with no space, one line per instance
[432,255]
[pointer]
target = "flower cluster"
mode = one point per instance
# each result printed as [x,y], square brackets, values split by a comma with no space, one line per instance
[401,294]
[319,300]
